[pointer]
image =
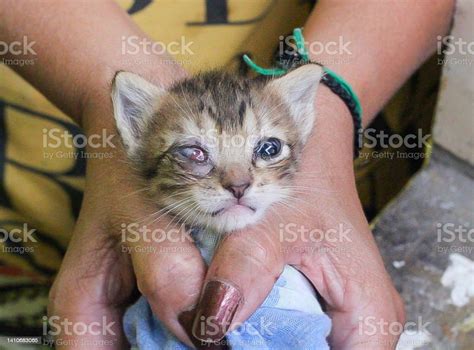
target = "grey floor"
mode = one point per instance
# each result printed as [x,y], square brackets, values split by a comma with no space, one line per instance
[417,238]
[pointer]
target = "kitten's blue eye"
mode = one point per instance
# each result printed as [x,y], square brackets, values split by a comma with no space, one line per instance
[269,148]
[195,154]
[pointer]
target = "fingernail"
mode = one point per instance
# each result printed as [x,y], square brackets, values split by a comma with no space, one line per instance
[216,310]
[186,319]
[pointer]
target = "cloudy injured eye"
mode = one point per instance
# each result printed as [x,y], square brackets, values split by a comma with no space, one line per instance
[216,150]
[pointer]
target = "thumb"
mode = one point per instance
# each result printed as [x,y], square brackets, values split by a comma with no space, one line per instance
[92,288]
[241,275]
[169,270]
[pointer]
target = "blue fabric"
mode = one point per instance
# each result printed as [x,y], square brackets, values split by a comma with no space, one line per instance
[289,318]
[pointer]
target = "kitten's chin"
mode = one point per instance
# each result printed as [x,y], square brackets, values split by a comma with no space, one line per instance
[234,218]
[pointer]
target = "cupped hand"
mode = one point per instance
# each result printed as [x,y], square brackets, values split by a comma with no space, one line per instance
[121,241]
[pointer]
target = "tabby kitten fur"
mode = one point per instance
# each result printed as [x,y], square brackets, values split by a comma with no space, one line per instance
[216,150]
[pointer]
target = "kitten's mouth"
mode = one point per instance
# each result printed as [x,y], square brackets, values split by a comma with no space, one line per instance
[235,208]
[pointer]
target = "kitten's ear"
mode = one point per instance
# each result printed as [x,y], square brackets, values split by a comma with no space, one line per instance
[134,100]
[298,89]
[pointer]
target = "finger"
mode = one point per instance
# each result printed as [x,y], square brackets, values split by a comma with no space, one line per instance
[90,293]
[241,275]
[169,270]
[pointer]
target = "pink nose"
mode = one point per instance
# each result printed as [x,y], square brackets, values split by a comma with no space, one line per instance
[238,190]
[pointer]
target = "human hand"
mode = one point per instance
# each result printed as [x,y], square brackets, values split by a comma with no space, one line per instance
[106,257]
[345,267]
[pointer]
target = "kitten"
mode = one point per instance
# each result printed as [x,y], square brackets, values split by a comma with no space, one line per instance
[217,150]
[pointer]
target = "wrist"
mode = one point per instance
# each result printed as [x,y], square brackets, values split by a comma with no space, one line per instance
[327,159]
[333,133]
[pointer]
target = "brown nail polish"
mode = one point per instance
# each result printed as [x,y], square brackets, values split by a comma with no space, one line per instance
[186,319]
[216,310]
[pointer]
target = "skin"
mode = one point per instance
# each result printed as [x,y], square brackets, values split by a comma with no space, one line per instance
[75,71]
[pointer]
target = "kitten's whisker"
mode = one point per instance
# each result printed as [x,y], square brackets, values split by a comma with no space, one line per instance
[198,216]
[187,103]
[185,114]
[180,193]
[302,201]
[266,113]
[303,187]
[183,219]
[181,204]
[185,216]
[306,192]
[137,191]
[288,205]
[302,190]
[177,215]
[172,206]
[332,216]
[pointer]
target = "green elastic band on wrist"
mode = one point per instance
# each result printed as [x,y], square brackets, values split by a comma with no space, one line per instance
[300,46]
[263,71]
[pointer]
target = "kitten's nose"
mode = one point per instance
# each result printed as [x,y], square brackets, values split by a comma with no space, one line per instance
[238,190]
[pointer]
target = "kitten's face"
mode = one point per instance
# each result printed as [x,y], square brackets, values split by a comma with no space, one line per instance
[217,151]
